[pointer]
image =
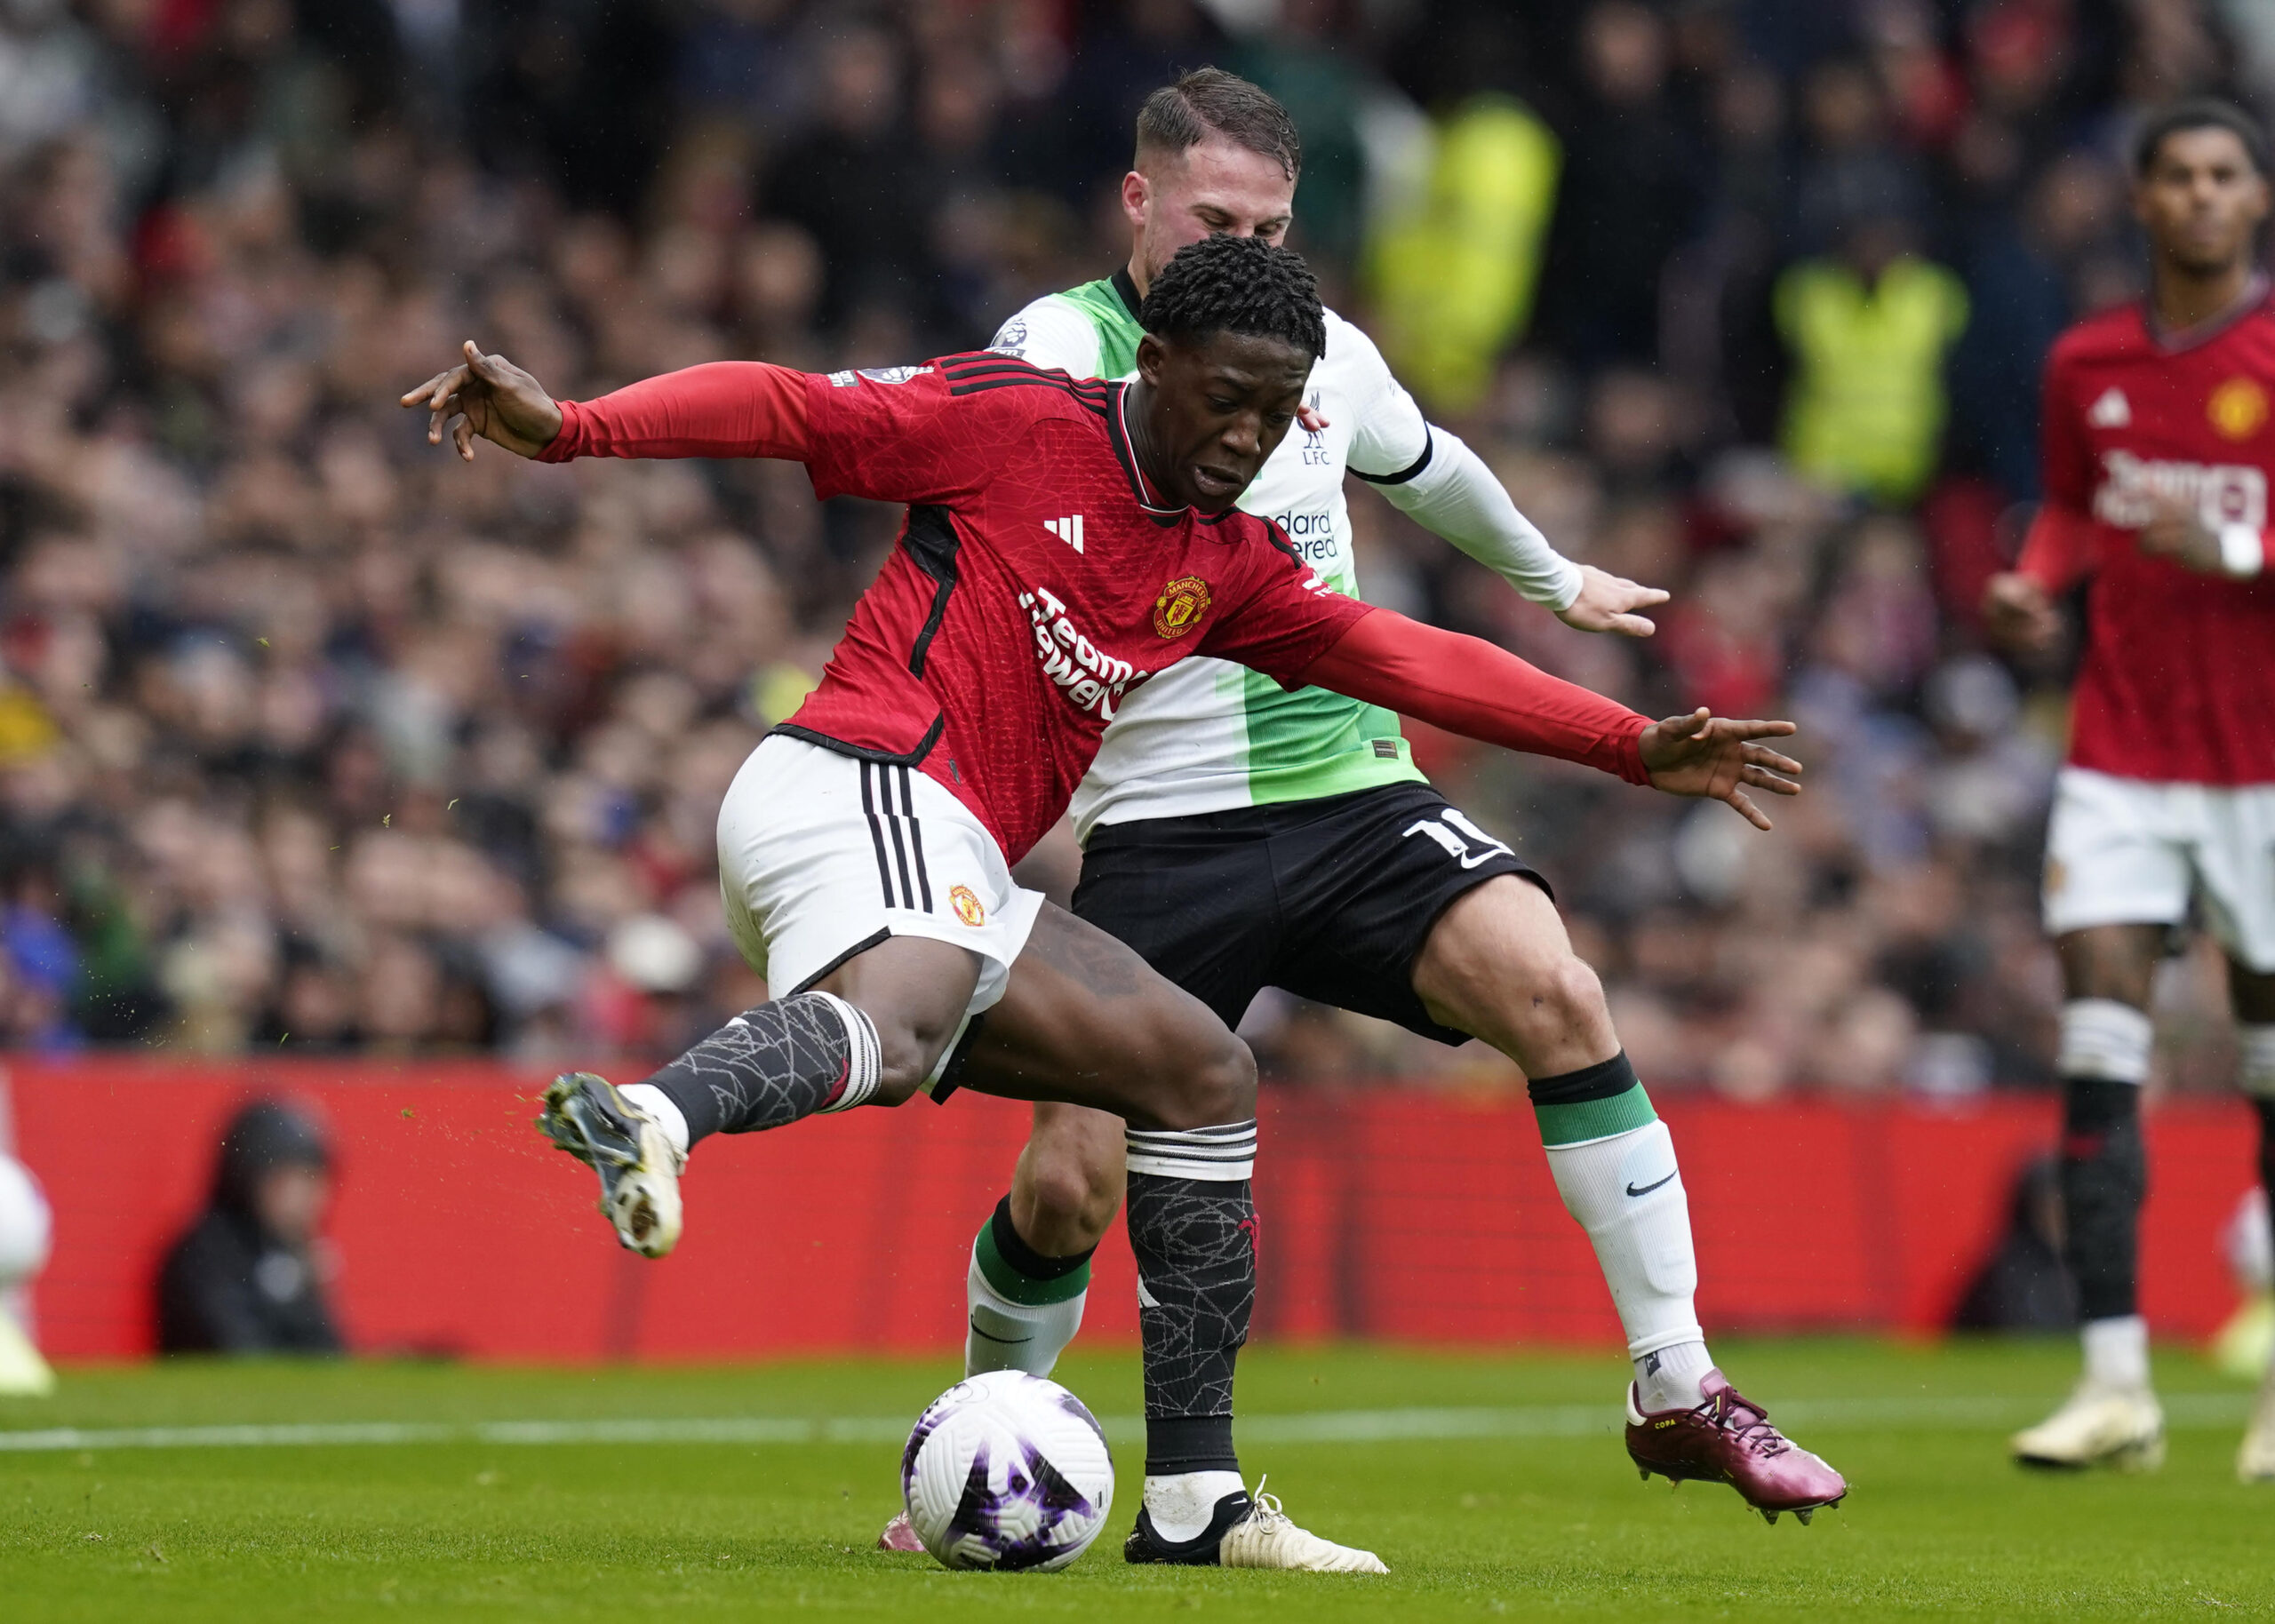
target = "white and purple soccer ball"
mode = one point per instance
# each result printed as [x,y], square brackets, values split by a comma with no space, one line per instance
[1007,1470]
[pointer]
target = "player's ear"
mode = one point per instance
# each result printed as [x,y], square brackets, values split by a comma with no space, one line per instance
[1137,192]
[1152,354]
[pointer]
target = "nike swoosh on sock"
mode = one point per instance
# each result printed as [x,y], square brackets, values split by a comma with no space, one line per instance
[1647,1188]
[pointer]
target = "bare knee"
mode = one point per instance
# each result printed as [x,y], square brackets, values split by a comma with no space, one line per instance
[914,991]
[1069,1182]
[908,1049]
[1193,1075]
[1568,999]
[1549,1015]
[1217,1086]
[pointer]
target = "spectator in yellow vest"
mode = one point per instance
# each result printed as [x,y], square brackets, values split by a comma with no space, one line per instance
[1869,327]
[1453,276]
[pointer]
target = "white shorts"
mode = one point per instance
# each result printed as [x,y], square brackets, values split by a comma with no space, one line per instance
[823,855]
[2129,851]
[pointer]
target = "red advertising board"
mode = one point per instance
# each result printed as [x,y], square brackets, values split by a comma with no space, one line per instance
[1387,1212]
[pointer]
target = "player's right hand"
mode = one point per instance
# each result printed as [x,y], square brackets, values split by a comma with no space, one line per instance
[489,396]
[2019,613]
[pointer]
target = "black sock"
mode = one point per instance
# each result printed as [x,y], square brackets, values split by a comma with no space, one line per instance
[1195,1243]
[1011,1246]
[2266,1109]
[771,1065]
[2104,1174]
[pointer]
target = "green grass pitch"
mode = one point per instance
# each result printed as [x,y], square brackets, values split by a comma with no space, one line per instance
[1494,1486]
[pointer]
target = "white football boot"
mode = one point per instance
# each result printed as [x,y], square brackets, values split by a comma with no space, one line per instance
[1266,1539]
[586,1116]
[2098,1425]
[2255,1461]
[1249,1533]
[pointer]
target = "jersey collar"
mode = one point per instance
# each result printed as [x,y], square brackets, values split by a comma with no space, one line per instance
[1117,426]
[1125,287]
[2172,341]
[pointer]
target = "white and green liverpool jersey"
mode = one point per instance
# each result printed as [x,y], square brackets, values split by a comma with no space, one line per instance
[1206,736]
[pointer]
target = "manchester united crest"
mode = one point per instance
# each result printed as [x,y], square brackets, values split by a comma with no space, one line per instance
[1180,607]
[2237,407]
[967,905]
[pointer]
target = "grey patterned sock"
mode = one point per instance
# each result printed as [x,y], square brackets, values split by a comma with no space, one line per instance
[1196,1243]
[771,1065]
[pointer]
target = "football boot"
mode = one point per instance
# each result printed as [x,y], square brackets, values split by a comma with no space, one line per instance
[586,1116]
[1247,1532]
[2255,1461]
[2098,1425]
[900,1534]
[1728,1439]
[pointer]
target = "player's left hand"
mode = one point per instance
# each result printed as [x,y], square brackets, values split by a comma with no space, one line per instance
[1708,755]
[489,397]
[2178,532]
[1308,419]
[1607,603]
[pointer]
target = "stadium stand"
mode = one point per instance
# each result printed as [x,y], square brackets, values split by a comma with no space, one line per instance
[312,743]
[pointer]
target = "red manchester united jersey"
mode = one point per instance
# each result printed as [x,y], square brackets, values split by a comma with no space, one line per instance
[2178,681]
[1036,582]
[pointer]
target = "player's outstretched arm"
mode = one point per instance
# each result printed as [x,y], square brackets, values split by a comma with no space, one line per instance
[1468,685]
[720,408]
[1457,496]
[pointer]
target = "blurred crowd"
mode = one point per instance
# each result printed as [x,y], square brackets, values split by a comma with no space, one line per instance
[312,738]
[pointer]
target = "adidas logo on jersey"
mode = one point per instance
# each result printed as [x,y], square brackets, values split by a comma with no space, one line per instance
[1068,530]
[2112,411]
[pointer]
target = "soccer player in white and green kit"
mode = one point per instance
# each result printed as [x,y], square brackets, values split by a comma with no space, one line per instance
[1238,835]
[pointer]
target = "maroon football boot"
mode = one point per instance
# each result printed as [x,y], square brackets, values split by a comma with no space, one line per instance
[1729,1439]
[899,1535]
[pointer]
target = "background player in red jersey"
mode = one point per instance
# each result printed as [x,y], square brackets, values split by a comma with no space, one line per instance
[2159,452]
[866,846]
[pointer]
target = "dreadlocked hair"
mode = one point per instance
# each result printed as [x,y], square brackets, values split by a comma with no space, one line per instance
[1239,285]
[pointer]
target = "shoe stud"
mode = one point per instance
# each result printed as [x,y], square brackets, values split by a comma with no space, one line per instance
[1769,1517]
[1804,1514]
[1644,1472]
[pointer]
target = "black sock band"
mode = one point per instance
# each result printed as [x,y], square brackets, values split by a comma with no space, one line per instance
[1176,1443]
[1195,1240]
[768,1067]
[1607,1080]
[2105,1176]
[1016,1251]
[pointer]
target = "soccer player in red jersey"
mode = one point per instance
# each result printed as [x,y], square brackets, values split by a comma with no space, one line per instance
[866,846]
[2159,452]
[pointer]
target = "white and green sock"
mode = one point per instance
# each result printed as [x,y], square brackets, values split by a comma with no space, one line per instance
[1613,1164]
[1025,1306]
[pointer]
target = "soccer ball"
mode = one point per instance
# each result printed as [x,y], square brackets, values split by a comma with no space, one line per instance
[1007,1470]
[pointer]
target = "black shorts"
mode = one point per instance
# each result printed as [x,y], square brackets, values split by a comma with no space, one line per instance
[1328,899]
